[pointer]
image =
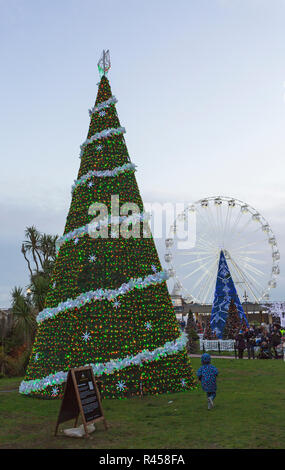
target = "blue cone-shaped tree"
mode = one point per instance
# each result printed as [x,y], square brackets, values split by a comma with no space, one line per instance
[225,293]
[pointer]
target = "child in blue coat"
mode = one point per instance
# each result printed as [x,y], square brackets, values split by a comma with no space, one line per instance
[207,374]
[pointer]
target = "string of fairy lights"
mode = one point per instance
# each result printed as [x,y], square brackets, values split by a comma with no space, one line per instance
[171,347]
[108,303]
[90,228]
[100,294]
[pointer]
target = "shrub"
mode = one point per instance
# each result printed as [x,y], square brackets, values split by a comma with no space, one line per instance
[192,344]
[13,366]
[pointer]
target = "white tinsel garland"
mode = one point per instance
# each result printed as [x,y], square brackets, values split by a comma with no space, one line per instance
[101,135]
[168,349]
[102,294]
[104,104]
[89,228]
[103,174]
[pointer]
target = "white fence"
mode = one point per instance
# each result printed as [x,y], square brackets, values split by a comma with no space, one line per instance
[217,345]
[225,345]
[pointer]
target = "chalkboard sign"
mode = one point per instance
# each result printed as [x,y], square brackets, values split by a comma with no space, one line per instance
[88,395]
[81,397]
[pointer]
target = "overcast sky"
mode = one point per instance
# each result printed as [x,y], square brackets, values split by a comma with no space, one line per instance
[200,89]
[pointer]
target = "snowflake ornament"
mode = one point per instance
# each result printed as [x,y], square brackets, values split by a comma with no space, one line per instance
[117,304]
[121,385]
[218,318]
[54,391]
[92,258]
[54,284]
[226,289]
[148,325]
[154,268]
[99,147]
[183,382]
[90,184]
[76,240]
[86,336]
[102,113]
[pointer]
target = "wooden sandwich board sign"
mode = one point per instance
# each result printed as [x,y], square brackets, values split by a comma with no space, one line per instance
[81,397]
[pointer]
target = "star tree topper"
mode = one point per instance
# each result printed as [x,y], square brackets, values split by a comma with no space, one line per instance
[104,63]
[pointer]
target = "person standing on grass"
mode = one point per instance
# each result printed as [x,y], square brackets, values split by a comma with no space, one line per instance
[252,346]
[275,341]
[250,342]
[240,344]
[207,374]
[182,324]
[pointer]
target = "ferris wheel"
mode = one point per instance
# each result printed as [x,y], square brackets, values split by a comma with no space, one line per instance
[248,243]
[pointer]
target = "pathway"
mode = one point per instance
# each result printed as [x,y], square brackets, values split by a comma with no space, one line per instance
[216,357]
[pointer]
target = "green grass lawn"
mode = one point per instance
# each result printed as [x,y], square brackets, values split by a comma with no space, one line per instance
[249,413]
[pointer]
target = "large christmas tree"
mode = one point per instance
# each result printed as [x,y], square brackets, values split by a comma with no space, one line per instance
[108,305]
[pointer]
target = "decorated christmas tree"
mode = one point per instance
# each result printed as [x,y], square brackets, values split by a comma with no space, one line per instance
[234,323]
[208,334]
[190,322]
[225,292]
[108,305]
[190,330]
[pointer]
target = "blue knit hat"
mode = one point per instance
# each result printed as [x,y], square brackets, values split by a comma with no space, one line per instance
[205,358]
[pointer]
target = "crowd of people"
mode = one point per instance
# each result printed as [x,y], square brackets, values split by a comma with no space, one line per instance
[266,341]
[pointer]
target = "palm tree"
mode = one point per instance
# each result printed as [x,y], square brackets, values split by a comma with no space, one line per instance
[24,316]
[39,288]
[39,251]
[4,361]
[32,245]
[42,248]
[47,246]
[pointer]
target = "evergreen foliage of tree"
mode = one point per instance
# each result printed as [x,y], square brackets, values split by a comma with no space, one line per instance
[233,322]
[208,334]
